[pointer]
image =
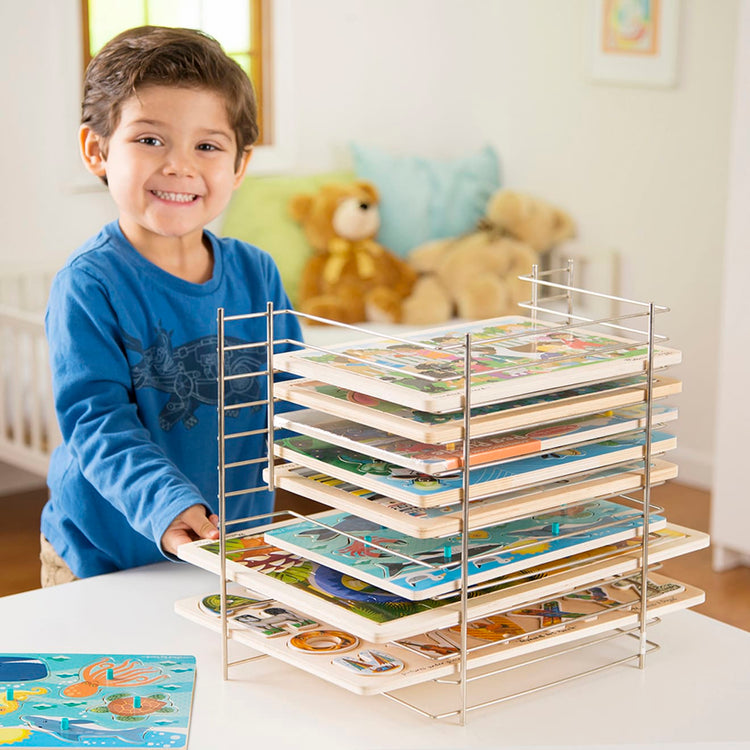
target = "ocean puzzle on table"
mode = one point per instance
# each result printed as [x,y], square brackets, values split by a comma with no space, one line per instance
[95,700]
[427,491]
[434,567]
[426,427]
[427,458]
[511,357]
[380,616]
[432,522]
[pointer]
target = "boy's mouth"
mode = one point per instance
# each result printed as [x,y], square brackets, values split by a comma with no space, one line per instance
[175,197]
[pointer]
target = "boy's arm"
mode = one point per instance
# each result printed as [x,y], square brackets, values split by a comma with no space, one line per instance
[99,421]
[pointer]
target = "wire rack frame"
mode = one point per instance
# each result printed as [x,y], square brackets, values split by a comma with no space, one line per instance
[549,305]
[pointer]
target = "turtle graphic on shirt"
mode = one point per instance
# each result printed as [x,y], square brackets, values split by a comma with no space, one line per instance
[188,373]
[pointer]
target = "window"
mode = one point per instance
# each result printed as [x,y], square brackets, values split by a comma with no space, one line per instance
[240,26]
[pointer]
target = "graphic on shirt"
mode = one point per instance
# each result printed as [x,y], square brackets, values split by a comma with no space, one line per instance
[188,373]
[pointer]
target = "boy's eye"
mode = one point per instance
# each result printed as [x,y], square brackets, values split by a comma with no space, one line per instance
[207,147]
[150,141]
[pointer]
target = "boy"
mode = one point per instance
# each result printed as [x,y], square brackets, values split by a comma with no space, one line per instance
[168,123]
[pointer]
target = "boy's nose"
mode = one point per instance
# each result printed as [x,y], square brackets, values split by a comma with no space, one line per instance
[179,163]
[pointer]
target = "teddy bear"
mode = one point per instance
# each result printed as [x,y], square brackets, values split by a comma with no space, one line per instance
[475,276]
[349,277]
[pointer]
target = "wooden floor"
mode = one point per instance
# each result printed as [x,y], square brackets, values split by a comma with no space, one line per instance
[727,593]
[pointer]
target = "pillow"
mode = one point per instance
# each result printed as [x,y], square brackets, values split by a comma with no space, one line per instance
[258,213]
[426,199]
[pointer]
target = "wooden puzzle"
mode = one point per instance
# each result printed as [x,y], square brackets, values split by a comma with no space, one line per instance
[511,357]
[542,617]
[490,419]
[433,522]
[378,616]
[369,669]
[97,700]
[426,491]
[418,569]
[427,458]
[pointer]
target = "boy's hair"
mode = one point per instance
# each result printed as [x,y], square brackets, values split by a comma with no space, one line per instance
[164,56]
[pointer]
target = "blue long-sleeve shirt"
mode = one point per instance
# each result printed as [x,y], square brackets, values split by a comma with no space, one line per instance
[134,366]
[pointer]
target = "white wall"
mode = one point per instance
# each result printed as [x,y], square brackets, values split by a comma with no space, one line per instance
[730,510]
[642,170]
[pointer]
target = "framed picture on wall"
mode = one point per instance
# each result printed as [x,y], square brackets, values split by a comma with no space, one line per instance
[633,42]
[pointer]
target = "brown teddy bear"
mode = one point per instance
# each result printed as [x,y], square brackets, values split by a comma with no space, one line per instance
[350,277]
[475,276]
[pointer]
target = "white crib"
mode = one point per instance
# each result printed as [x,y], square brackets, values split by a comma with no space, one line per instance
[28,425]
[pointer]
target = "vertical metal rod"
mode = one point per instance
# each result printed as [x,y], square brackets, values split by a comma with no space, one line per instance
[569,292]
[534,301]
[647,485]
[269,369]
[222,492]
[465,527]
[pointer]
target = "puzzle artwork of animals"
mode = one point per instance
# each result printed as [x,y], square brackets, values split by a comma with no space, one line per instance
[422,568]
[489,419]
[511,357]
[427,458]
[380,616]
[95,700]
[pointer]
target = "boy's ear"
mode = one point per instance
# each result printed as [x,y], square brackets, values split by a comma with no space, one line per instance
[91,151]
[239,175]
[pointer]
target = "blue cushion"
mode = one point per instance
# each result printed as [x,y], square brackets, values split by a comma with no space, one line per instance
[426,199]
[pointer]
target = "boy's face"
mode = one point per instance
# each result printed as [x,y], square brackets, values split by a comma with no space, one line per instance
[169,163]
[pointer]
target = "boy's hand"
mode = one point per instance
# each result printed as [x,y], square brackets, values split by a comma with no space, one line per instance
[190,525]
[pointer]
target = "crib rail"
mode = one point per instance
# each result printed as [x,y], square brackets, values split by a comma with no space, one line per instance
[28,425]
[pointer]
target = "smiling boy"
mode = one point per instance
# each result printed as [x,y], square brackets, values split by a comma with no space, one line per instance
[168,122]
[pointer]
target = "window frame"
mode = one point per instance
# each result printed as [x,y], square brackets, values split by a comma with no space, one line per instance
[260,53]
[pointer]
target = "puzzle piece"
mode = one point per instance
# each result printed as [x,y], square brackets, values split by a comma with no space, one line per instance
[279,621]
[654,590]
[370,663]
[549,613]
[435,645]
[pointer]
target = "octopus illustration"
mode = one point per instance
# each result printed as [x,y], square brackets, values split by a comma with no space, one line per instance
[105,673]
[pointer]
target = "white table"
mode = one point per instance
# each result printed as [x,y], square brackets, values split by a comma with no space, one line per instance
[694,691]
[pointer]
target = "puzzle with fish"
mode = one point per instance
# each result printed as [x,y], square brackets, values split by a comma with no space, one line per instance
[95,700]
[423,568]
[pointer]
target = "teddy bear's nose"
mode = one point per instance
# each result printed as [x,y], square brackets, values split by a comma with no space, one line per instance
[364,206]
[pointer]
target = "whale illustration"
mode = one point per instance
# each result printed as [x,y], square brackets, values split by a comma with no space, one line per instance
[22,669]
[77,729]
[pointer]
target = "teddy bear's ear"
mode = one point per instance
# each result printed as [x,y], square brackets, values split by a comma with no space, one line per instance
[564,226]
[299,206]
[370,191]
[506,208]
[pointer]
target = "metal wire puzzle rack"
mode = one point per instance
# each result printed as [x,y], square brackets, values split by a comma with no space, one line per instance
[551,300]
